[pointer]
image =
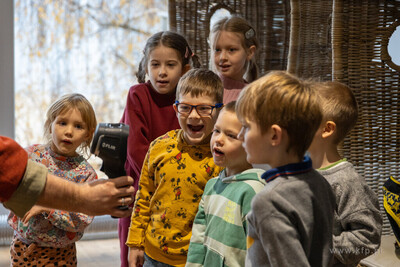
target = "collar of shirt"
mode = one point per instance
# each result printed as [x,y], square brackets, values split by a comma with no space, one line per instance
[289,169]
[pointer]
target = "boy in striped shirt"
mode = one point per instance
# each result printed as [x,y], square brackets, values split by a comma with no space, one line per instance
[220,227]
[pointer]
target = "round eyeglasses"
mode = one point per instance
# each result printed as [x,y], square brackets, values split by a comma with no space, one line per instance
[202,110]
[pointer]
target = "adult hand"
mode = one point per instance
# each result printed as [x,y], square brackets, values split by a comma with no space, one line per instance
[94,198]
[106,196]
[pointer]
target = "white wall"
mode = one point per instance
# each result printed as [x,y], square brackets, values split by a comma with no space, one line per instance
[7,68]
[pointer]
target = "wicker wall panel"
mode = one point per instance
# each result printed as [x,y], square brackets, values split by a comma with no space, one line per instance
[310,50]
[373,144]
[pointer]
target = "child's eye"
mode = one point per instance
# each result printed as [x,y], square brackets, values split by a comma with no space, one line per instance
[204,108]
[232,49]
[154,64]
[217,50]
[184,108]
[171,64]
[215,131]
[63,123]
[232,136]
[78,126]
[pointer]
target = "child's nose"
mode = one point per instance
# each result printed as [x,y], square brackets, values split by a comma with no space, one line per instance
[163,71]
[222,55]
[68,130]
[220,140]
[194,113]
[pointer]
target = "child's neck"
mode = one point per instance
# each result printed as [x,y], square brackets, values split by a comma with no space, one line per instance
[283,159]
[231,80]
[229,171]
[324,157]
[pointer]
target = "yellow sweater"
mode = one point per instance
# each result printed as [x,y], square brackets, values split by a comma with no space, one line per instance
[171,184]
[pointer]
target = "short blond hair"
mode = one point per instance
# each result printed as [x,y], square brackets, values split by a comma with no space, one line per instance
[65,103]
[338,104]
[283,99]
[200,82]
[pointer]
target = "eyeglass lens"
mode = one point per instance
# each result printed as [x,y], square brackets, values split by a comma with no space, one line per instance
[203,110]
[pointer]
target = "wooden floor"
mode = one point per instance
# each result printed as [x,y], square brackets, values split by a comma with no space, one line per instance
[91,253]
[105,253]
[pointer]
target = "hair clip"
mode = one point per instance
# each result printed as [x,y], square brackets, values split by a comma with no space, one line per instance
[187,52]
[249,34]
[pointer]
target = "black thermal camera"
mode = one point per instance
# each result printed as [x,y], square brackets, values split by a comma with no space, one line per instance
[109,143]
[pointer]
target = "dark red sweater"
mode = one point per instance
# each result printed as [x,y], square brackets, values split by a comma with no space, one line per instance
[149,115]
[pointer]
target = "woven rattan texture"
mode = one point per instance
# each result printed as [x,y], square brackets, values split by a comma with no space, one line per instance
[340,40]
[270,19]
[373,144]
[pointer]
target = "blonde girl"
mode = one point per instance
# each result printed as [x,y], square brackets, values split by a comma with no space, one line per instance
[45,237]
[149,108]
[234,45]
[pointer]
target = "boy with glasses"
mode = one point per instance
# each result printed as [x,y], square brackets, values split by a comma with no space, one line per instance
[174,174]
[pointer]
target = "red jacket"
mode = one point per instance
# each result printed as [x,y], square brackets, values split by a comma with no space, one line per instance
[13,161]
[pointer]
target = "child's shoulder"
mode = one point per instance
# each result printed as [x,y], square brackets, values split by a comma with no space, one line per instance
[169,139]
[139,88]
[35,149]
[342,172]
[254,171]
[287,185]
[249,175]
[140,91]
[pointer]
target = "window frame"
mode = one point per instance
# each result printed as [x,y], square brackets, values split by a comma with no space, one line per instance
[7,68]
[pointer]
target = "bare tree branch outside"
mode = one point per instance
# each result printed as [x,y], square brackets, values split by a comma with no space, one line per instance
[91,47]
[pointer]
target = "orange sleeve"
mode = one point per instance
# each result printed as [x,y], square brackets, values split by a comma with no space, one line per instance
[13,161]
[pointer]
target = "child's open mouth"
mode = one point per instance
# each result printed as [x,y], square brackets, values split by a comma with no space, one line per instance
[67,142]
[218,152]
[195,128]
[224,67]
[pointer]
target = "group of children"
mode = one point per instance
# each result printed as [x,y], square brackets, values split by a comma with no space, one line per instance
[195,135]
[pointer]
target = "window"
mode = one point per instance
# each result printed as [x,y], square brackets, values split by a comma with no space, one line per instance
[393,46]
[90,47]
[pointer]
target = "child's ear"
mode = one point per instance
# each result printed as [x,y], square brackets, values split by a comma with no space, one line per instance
[185,68]
[250,52]
[89,134]
[329,129]
[175,108]
[276,135]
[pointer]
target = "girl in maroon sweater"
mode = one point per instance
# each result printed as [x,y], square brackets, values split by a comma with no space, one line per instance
[149,111]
